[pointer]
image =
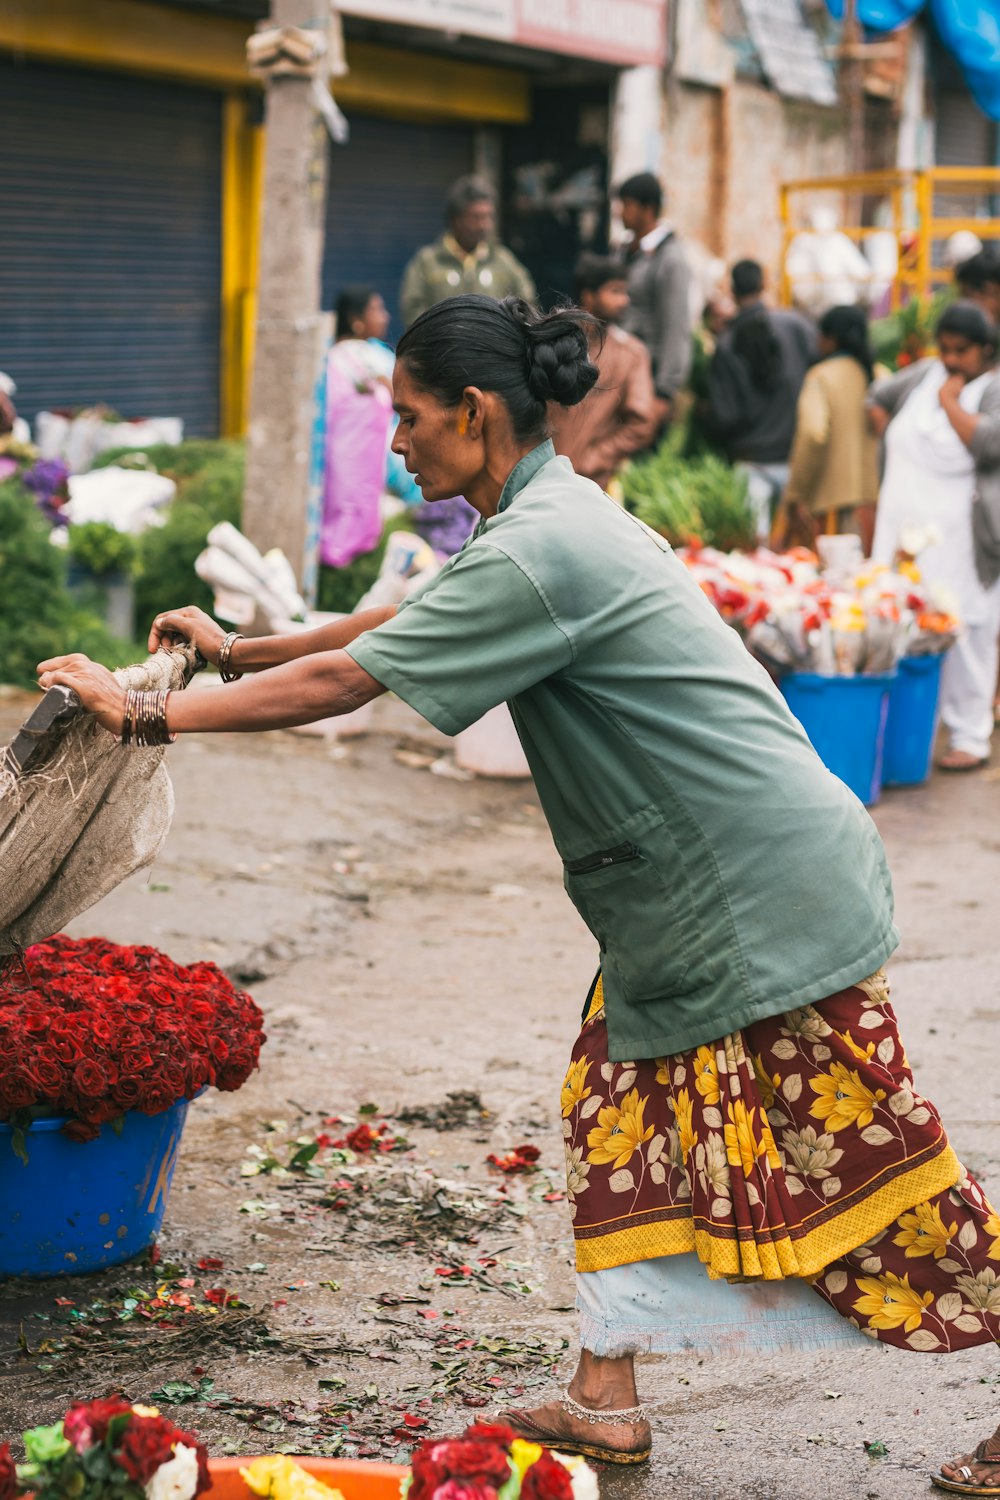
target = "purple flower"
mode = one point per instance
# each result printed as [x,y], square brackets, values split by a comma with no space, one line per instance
[46,478]
[446,524]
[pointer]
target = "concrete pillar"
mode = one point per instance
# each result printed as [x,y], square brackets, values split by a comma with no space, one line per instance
[637,122]
[288,334]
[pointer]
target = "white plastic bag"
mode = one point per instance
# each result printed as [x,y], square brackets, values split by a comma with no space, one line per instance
[128,499]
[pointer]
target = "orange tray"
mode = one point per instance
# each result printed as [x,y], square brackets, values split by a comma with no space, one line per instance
[355,1480]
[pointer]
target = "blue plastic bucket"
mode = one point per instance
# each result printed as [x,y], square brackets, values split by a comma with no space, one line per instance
[912,721]
[844,718]
[84,1205]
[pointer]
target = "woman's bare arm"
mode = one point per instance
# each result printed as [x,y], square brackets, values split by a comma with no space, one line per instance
[257,654]
[314,687]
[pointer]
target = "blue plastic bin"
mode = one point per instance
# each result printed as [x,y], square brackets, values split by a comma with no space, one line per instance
[844,718]
[912,721]
[84,1205]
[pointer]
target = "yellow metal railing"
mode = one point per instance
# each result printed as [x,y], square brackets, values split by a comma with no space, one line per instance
[903,203]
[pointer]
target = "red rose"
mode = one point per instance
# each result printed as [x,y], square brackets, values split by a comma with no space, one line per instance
[486,1463]
[16,1092]
[137,1060]
[64,1047]
[8,1474]
[128,1092]
[89,1078]
[48,1076]
[81,1130]
[547,1480]
[87,1422]
[146,1443]
[428,1475]
[490,1432]
[461,1489]
[95,1029]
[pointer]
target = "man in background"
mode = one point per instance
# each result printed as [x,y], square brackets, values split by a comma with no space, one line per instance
[754,382]
[659,288]
[467,257]
[619,416]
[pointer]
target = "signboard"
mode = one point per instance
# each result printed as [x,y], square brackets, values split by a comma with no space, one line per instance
[616,31]
[492,18]
[622,32]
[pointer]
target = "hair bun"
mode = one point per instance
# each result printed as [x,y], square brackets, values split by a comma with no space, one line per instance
[557,352]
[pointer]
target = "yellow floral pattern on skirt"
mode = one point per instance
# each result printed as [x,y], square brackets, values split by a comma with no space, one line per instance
[799,1147]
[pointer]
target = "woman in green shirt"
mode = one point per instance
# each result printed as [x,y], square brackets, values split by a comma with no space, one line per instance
[742,1129]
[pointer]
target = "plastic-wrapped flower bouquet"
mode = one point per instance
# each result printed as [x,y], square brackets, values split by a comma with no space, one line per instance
[107,1450]
[490,1463]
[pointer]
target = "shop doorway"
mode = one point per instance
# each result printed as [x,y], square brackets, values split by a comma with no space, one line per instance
[555,182]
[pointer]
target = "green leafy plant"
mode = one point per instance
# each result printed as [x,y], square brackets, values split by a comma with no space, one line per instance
[101,549]
[341,588]
[178,460]
[38,616]
[691,499]
[209,477]
[904,336]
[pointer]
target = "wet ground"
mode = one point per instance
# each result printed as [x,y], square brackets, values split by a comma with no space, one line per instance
[408,938]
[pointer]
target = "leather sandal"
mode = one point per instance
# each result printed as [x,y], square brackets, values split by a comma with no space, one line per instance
[523,1424]
[967,1485]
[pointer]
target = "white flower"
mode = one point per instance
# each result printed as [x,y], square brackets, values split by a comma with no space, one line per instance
[913,539]
[583,1477]
[177,1479]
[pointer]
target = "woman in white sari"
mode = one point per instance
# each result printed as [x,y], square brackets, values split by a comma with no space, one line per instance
[941,421]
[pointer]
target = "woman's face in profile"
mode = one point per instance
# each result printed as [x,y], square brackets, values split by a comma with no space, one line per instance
[433,440]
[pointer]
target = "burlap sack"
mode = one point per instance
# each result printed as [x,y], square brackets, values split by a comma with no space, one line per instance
[82,816]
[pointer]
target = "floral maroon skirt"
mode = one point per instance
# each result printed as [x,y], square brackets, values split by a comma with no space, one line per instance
[796,1148]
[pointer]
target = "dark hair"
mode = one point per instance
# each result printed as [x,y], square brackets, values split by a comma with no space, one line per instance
[352,303]
[591,272]
[979,271]
[642,188]
[466,191]
[754,342]
[967,321]
[528,358]
[848,328]
[747,278]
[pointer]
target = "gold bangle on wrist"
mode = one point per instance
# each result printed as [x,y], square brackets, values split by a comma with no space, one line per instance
[225,652]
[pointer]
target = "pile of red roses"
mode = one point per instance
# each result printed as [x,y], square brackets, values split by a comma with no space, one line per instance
[90,1030]
[107,1447]
[478,1465]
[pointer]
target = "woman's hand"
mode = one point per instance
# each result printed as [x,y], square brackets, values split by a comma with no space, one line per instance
[964,422]
[878,419]
[192,625]
[96,687]
[951,390]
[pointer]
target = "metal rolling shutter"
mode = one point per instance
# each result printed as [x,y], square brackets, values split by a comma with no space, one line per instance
[386,199]
[110,243]
[964,137]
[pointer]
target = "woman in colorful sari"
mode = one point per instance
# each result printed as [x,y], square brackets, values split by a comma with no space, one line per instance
[359,417]
[749,1161]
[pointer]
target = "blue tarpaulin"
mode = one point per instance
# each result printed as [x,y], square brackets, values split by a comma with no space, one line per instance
[969,28]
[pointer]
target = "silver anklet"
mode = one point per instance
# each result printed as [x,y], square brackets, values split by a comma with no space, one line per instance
[631,1414]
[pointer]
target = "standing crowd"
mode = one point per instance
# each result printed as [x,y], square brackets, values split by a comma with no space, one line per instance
[829,443]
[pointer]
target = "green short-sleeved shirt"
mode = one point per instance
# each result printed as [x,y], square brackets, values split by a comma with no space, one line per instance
[725,873]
